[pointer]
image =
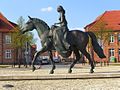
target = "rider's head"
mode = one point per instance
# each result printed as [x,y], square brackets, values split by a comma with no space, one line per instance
[60,9]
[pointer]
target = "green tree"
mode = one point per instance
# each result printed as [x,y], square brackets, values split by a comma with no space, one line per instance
[19,40]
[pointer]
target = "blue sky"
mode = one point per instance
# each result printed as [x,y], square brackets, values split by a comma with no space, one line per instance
[79,13]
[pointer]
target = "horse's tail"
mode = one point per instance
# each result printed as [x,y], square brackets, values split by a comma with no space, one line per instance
[97,48]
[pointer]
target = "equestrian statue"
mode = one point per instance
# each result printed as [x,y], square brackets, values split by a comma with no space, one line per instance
[63,40]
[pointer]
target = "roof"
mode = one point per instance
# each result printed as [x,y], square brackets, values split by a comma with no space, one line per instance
[111,18]
[6,24]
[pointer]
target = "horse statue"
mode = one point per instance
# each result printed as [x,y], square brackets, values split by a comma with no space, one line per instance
[77,39]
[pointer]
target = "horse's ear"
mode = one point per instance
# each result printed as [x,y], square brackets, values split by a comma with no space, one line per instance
[29,17]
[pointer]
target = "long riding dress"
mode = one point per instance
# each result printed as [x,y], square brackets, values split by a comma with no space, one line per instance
[60,35]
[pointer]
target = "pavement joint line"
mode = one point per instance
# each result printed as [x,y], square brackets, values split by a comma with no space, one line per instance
[57,77]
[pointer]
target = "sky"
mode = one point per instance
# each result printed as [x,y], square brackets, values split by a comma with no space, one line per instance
[79,13]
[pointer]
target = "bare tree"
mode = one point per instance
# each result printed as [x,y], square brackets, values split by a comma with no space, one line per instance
[102,33]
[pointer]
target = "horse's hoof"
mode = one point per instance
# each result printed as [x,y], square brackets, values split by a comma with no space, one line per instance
[33,69]
[91,71]
[70,71]
[51,72]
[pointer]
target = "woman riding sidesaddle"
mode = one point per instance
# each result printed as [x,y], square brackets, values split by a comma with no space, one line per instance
[59,33]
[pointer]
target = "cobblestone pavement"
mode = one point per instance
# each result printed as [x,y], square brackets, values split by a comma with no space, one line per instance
[70,84]
[76,84]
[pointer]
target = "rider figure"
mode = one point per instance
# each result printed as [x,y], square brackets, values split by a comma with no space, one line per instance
[62,19]
[63,28]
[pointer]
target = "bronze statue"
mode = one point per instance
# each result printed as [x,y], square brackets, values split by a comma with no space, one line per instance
[57,38]
[60,32]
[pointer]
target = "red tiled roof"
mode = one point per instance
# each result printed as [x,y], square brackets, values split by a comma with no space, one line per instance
[13,24]
[111,18]
[5,21]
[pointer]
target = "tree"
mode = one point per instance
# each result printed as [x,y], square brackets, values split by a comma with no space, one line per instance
[102,32]
[19,40]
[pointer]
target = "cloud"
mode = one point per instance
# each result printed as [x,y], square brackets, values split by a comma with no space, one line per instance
[77,28]
[47,9]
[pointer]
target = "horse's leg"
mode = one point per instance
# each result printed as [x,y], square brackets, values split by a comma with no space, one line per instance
[36,55]
[53,63]
[89,58]
[77,54]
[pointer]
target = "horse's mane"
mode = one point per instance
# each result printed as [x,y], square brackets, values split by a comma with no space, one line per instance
[42,22]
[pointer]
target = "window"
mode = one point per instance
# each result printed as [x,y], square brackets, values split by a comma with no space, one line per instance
[111,38]
[119,51]
[7,39]
[8,54]
[100,42]
[119,37]
[111,52]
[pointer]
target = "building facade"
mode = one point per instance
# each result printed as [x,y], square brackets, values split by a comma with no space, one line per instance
[107,29]
[7,51]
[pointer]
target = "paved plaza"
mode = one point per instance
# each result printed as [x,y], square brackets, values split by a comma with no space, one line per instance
[62,84]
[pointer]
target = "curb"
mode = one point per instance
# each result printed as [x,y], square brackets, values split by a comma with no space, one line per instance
[57,77]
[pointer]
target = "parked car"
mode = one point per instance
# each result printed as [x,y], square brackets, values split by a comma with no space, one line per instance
[41,61]
[38,61]
[44,61]
[56,60]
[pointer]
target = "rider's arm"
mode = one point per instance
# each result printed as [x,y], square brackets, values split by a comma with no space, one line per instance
[62,18]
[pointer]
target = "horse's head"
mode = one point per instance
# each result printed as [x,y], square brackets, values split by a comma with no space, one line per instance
[35,23]
[29,25]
